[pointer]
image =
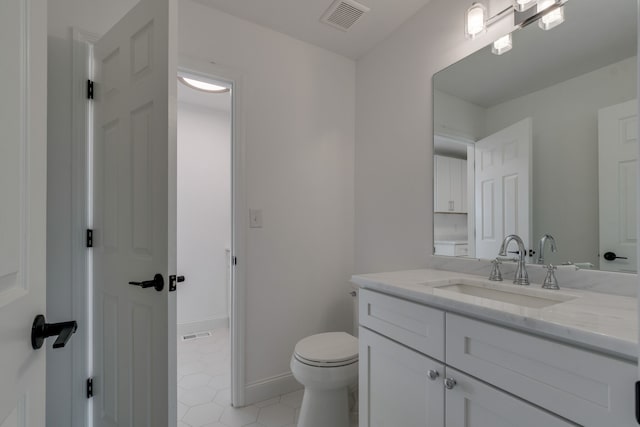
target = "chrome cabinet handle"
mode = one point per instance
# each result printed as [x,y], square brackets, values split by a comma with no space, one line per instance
[449,383]
[432,374]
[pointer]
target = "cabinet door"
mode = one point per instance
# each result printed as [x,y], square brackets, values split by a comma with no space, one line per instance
[471,403]
[442,184]
[455,182]
[395,388]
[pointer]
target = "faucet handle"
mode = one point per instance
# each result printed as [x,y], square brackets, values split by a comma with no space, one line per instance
[496,274]
[550,282]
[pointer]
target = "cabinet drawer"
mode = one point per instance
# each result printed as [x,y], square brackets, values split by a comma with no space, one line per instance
[414,325]
[588,388]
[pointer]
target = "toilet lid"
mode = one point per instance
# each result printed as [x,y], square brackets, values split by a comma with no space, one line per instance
[330,347]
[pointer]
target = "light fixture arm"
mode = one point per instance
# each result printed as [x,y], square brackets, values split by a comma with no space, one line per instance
[498,16]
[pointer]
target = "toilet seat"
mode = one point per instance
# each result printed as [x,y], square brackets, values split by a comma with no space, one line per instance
[331,349]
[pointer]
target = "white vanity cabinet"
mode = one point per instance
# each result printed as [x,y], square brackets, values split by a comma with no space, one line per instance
[450,187]
[403,387]
[422,366]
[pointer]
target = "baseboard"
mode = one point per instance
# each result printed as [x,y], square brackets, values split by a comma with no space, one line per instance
[270,388]
[202,325]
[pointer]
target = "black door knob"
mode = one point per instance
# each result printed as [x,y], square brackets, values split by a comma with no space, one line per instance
[157,283]
[611,256]
[41,330]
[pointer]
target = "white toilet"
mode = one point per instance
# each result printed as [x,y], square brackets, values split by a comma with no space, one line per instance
[326,365]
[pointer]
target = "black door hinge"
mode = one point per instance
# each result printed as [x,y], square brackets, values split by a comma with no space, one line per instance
[89,388]
[89,89]
[234,261]
[89,238]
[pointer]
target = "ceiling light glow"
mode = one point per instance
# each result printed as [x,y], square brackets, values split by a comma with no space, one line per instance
[202,86]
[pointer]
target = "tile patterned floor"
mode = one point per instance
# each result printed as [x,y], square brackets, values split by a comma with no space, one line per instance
[203,390]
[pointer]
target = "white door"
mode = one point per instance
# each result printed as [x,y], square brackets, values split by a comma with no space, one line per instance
[134,219]
[503,188]
[617,171]
[414,400]
[23,155]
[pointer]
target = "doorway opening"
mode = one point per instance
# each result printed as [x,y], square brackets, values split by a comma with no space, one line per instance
[204,243]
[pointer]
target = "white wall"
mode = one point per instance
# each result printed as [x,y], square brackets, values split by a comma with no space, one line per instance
[565,153]
[394,127]
[204,216]
[299,131]
[457,117]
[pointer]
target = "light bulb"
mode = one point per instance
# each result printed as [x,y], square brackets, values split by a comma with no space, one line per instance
[550,19]
[475,23]
[522,5]
[502,45]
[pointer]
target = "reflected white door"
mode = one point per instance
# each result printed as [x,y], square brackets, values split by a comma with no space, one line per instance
[134,219]
[503,188]
[618,154]
[23,154]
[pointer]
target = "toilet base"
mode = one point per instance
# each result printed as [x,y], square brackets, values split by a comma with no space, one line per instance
[322,408]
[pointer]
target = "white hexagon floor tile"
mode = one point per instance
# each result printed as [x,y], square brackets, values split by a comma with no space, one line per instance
[196,396]
[277,415]
[239,417]
[201,415]
[293,399]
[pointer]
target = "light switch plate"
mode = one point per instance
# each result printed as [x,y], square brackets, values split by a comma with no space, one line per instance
[255,218]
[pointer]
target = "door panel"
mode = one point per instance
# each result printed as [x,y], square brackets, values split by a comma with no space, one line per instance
[503,187]
[618,154]
[133,216]
[23,209]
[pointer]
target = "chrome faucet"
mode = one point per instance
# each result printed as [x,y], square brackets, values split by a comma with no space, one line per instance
[522,278]
[543,240]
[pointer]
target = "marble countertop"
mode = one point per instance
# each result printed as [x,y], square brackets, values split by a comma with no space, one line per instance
[603,322]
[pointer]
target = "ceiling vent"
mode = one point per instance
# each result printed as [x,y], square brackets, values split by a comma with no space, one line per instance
[342,14]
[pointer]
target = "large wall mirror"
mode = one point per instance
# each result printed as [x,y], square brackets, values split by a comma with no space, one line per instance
[542,141]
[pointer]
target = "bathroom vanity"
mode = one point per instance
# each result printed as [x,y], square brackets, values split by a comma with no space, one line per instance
[440,348]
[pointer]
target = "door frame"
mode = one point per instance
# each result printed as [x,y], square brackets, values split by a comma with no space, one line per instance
[82,219]
[237,316]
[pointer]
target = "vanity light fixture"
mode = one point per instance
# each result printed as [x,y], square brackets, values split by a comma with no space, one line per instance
[548,13]
[551,19]
[202,86]
[476,20]
[502,45]
[522,5]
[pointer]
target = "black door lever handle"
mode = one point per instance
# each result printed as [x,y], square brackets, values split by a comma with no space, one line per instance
[611,256]
[157,283]
[41,330]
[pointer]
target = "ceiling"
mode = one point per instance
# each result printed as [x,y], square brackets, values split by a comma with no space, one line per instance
[301,19]
[595,34]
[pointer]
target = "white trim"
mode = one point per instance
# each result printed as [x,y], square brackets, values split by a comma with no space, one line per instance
[207,69]
[202,325]
[274,386]
[82,42]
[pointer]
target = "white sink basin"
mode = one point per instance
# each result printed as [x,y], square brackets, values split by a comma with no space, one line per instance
[510,294]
